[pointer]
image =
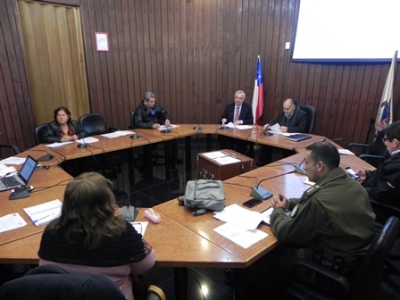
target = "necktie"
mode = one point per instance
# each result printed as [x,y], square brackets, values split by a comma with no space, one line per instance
[237,113]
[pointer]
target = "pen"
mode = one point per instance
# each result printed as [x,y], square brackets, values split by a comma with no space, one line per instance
[42,218]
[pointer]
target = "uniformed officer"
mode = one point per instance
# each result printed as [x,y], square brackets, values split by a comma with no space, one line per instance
[333,219]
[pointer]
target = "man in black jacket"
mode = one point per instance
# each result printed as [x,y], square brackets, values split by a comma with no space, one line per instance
[290,119]
[149,114]
[383,184]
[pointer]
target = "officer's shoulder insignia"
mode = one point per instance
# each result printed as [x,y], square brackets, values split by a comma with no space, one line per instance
[294,210]
[312,190]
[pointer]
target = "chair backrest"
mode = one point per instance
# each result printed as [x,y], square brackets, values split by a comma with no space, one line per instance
[378,146]
[39,132]
[93,124]
[132,116]
[366,280]
[311,116]
[9,149]
[52,282]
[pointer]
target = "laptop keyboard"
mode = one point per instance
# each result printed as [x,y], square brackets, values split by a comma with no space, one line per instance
[10,181]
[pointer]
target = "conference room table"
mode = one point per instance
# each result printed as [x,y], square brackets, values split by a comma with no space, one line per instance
[181,240]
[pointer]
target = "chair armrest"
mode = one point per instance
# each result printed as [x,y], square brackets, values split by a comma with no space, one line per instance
[310,278]
[366,156]
[365,146]
[13,147]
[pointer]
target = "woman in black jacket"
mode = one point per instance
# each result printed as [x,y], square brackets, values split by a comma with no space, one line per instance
[63,129]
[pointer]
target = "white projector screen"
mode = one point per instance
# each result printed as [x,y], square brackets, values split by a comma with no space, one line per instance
[347,30]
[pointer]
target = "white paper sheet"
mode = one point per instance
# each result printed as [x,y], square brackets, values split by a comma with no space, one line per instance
[11,221]
[56,145]
[87,140]
[140,227]
[345,152]
[244,238]
[118,133]
[239,216]
[12,160]
[163,127]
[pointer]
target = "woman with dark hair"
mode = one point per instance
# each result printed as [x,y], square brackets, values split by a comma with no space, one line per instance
[89,237]
[63,129]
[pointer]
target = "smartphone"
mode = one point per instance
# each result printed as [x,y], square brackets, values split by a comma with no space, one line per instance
[352,173]
[252,202]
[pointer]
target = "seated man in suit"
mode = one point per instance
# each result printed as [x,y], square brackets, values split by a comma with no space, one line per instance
[383,184]
[290,119]
[149,114]
[237,113]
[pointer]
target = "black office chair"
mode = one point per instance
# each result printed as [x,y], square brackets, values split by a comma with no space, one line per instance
[53,282]
[7,150]
[131,118]
[94,124]
[311,116]
[392,262]
[375,153]
[308,278]
[39,132]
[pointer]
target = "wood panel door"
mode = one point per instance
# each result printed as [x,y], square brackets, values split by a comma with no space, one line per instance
[55,58]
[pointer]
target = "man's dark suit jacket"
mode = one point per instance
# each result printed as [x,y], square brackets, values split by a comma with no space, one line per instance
[246,113]
[296,123]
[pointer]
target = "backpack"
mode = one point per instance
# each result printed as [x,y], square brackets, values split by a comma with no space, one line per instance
[203,195]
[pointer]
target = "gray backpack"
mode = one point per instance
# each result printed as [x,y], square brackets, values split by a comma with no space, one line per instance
[203,195]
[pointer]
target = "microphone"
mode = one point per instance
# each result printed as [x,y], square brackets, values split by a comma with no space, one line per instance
[45,157]
[299,168]
[266,133]
[83,145]
[135,136]
[223,126]
[263,194]
[166,130]
[197,127]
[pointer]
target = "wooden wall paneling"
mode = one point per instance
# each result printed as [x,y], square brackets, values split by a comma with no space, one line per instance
[17,113]
[194,54]
[182,99]
[136,27]
[110,66]
[88,29]
[170,66]
[118,92]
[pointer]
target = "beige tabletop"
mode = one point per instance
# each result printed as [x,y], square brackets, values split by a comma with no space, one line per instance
[48,184]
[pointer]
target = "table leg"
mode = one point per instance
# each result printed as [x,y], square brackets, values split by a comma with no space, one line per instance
[188,154]
[239,284]
[208,142]
[181,283]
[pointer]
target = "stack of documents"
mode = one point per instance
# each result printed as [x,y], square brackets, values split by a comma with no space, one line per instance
[240,226]
[43,214]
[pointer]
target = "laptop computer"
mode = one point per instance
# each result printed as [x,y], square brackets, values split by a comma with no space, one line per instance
[20,179]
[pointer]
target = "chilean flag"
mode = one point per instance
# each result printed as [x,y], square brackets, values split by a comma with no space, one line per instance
[258,95]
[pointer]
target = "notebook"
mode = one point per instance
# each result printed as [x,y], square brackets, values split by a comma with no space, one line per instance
[297,137]
[20,179]
[43,213]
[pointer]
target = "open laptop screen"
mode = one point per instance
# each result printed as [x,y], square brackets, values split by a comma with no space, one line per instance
[27,169]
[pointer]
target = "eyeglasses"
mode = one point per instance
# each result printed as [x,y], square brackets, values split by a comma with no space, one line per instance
[386,139]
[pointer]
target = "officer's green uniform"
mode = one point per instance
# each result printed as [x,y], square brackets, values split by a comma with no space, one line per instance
[335,216]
